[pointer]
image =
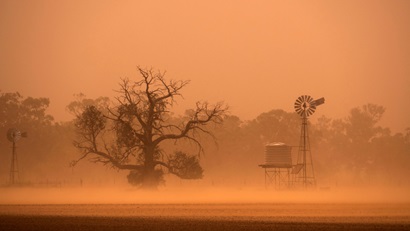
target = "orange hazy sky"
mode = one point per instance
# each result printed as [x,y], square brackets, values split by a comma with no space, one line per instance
[254,55]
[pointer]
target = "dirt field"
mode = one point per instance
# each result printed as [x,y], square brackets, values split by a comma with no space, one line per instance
[206,217]
[149,223]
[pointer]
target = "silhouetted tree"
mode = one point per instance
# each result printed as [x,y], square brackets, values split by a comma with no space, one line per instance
[361,123]
[357,149]
[275,126]
[18,111]
[82,102]
[129,135]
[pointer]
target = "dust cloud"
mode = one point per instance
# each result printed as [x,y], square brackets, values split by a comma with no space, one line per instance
[257,58]
[199,195]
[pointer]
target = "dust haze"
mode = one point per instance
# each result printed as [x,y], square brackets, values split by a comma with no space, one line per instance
[168,109]
[200,194]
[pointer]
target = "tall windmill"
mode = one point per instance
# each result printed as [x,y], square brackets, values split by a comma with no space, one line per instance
[305,106]
[13,135]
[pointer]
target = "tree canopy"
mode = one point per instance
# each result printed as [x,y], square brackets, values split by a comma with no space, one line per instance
[129,134]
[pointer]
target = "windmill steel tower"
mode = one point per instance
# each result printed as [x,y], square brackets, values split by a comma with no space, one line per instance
[13,135]
[303,171]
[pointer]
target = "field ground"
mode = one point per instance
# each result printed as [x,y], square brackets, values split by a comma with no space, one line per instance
[45,223]
[285,216]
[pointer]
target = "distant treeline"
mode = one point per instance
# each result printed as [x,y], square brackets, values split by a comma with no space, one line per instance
[351,151]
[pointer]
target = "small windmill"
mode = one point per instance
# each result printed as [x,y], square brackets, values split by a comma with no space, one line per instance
[305,106]
[13,135]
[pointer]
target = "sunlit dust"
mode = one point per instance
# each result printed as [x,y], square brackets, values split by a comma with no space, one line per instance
[204,115]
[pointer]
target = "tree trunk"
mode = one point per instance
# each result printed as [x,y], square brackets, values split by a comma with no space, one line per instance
[150,179]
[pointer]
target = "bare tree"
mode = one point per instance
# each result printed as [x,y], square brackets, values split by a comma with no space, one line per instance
[129,135]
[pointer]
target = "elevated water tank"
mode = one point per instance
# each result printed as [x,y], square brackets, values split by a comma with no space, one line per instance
[278,155]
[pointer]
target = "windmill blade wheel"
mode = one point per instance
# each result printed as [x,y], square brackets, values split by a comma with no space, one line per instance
[304,106]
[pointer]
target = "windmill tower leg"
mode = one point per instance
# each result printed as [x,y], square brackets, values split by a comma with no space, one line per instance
[301,178]
[307,175]
[305,106]
[304,147]
[14,166]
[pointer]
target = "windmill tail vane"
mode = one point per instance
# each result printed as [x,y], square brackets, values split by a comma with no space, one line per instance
[318,102]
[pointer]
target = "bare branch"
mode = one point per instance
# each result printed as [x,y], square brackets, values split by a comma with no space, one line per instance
[170,169]
[137,125]
[201,116]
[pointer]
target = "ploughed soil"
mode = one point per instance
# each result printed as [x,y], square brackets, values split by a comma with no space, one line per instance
[206,217]
[160,223]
